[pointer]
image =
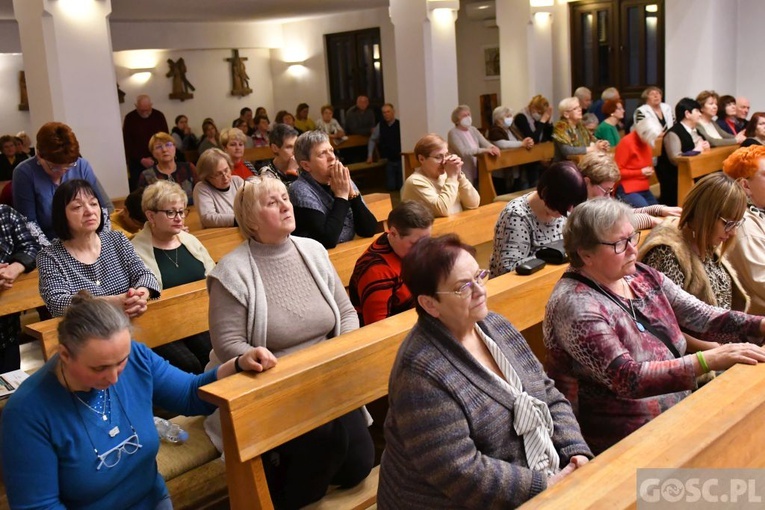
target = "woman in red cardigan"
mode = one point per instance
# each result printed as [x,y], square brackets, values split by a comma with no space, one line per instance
[634,157]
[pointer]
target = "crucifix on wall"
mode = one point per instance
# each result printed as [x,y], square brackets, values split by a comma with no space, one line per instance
[239,79]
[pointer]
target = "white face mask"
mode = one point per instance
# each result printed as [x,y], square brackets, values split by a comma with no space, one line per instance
[536,116]
[466,121]
[508,121]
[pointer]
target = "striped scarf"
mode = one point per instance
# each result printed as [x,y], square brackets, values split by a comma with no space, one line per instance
[531,416]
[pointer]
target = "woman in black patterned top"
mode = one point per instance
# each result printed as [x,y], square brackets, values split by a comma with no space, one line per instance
[86,257]
[689,251]
[18,248]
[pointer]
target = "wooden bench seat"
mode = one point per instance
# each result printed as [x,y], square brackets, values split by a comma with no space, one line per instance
[693,167]
[716,427]
[487,164]
[320,383]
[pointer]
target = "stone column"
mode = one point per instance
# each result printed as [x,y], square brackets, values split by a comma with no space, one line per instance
[67,51]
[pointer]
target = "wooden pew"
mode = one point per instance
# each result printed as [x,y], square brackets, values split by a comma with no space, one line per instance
[693,167]
[410,163]
[184,307]
[320,383]
[23,296]
[192,220]
[716,427]
[508,158]
[255,154]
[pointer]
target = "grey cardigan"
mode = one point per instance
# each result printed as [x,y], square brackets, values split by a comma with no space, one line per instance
[458,146]
[450,441]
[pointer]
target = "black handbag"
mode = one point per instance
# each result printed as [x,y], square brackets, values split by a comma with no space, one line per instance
[553,253]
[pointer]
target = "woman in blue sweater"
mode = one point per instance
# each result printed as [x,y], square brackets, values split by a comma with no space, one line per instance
[79,433]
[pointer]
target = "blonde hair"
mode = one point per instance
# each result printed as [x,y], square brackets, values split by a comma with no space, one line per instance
[160,137]
[566,105]
[231,134]
[428,144]
[162,192]
[208,163]
[248,202]
[599,167]
[715,196]
[457,111]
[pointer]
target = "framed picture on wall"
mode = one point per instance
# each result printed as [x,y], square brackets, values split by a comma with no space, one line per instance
[491,62]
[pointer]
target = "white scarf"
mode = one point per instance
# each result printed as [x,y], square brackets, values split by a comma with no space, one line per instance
[531,420]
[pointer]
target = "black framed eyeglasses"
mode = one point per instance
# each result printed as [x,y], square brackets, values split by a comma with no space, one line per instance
[172,213]
[731,225]
[620,246]
[466,289]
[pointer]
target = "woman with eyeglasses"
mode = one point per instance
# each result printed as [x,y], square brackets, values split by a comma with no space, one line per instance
[234,141]
[689,251]
[570,136]
[602,176]
[473,421]
[280,292]
[175,257]
[614,329]
[85,256]
[162,147]
[58,161]
[215,189]
[439,182]
[79,433]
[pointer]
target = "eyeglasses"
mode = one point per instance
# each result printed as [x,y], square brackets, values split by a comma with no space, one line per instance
[466,290]
[731,225]
[172,213]
[606,192]
[112,457]
[166,145]
[440,158]
[620,246]
[60,168]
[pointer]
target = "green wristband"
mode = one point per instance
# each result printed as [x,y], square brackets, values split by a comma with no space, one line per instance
[702,362]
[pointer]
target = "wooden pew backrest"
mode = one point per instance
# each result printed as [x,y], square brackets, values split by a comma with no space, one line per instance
[508,158]
[693,167]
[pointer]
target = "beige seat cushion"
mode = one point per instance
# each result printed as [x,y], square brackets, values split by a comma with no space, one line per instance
[176,459]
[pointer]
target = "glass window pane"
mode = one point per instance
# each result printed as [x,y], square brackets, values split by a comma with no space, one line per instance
[651,47]
[634,15]
[587,53]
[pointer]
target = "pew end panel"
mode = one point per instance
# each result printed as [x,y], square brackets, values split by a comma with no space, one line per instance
[716,427]
[507,158]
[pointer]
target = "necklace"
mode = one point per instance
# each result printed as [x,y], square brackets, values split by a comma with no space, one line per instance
[640,326]
[106,403]
[618,303]
[175,262]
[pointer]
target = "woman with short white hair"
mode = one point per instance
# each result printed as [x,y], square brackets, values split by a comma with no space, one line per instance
[634,157]
[570,135]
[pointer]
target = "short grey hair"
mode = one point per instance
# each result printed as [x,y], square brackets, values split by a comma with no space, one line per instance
[609,93]
[248,202]
[582,92]
[567,104]
[457,111]
[162,192]
[89,318]
[649,130]
[208,163]
[306,142]
[589,119]
[599,167]
[589,222]
[500,112]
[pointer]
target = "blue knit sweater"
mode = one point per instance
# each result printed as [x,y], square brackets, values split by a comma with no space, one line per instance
[48,437]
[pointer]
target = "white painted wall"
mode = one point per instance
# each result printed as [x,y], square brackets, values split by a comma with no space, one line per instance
[472,37]
[11,119]
[208,71]
[750,73]
[695,63]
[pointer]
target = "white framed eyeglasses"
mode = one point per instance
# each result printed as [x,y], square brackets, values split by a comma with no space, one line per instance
[466,289]
[731,225]
[112,457]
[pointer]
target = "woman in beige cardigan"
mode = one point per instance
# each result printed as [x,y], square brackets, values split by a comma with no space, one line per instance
[175,257]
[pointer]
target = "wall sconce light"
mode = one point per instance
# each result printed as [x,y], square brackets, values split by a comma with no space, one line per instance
[452,5]
[541,3]
[141,70]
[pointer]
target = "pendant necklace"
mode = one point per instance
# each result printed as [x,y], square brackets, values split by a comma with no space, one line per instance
[104,397]
[639,325]
[175,262]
